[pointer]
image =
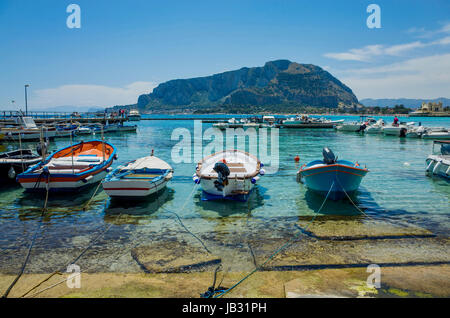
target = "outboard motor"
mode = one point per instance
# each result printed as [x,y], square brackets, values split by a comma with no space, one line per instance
[362,128]
[223,172]
[403,132]
[328,156]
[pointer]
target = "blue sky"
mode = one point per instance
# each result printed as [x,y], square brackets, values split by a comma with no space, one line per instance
[125,48]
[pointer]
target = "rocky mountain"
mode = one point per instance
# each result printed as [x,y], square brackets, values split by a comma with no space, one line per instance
[407,102]
[277,84]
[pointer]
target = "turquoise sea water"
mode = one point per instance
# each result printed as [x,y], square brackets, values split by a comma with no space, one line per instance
[396,188]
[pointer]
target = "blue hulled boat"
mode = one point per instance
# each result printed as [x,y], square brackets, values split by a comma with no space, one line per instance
[331,175]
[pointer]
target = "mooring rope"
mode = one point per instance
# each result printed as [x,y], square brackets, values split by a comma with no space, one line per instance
[44,209]
[277,251]
[181,222]
[76,259]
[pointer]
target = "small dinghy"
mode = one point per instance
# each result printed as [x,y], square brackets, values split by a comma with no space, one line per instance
[17,161]
[332,176]
[70,169]
[230,174]
[139,178]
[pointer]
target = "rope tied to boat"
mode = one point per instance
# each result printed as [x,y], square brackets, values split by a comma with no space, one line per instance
[44,209]
[277,251]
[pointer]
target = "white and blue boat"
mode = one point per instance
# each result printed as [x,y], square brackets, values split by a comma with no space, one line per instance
[138,178]
[337,178]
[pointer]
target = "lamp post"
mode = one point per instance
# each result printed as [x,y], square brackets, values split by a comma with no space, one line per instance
[26,100]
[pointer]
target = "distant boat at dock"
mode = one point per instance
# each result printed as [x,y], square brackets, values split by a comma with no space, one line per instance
[134,115]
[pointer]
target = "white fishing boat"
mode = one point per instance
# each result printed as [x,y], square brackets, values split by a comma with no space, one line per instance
[84,130]
[434,134]
[397,130]
[438,163]
[127,128]
[353,126]
[134,115]
[17,161]
[139,178]
[375,128]
[415,132]
[252,125]
[356,126]
[229,174]
[220,125]
[25,129]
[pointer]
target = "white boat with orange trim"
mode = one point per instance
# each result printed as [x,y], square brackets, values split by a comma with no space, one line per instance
[70,169]
[229,174]
[138,178]
[332,177]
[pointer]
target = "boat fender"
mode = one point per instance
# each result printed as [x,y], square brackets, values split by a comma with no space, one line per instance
[262,172]
[196,179]
[11,173]
[115,157]
[436,167]
[255,179]
[429,166]
[86,179]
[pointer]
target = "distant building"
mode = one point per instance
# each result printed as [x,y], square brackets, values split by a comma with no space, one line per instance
[430,109]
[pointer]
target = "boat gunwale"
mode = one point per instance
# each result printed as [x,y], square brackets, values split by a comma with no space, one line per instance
[247,176]
[27,176]
[303,169]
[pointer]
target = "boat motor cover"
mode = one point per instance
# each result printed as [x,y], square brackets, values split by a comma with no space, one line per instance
[328,156]
[223,172]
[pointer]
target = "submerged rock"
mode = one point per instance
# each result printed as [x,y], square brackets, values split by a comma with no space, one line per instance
[363,229]
[173,257]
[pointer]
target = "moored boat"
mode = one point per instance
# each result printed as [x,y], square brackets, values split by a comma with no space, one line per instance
[438,163]
[17,161]
[332,177]
[138,178]
[229,174]
[134,115]
[71,168]
[433,134]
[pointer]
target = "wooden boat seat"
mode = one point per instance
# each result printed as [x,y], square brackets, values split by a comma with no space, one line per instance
[238,170]
[141,176]
[233,170]
[235,164]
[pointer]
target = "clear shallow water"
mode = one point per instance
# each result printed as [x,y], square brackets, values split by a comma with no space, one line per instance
[396,189]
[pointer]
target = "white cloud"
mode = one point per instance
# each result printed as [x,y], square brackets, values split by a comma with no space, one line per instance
[90,95]
[425,77]
[424,33]
[370,51]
